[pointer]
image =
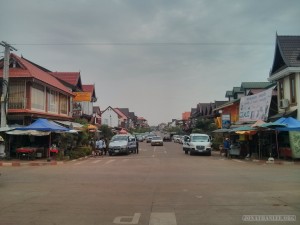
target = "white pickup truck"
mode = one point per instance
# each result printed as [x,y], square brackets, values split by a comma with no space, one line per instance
[197,143]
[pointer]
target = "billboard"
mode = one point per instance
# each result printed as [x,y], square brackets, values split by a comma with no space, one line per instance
[255,107]
[82,96]
[226,122]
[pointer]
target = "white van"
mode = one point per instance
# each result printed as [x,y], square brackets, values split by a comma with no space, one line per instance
[197,143]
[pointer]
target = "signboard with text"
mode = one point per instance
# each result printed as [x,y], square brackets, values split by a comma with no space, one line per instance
[82,96]
[226,121]
[255,107]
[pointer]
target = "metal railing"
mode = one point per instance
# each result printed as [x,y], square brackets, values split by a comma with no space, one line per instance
[17,103]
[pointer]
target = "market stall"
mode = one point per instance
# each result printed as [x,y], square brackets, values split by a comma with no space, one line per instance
[41,127]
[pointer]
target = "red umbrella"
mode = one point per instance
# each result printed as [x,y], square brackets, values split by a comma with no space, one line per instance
[123,131]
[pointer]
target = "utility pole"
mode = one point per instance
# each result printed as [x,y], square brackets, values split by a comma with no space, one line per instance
[4,98]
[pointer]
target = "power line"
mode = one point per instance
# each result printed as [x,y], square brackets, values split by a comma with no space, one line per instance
[149,44]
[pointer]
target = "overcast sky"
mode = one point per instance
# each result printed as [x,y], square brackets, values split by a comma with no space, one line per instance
[159,58]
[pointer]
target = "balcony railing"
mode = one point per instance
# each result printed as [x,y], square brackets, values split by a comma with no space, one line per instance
[17,103]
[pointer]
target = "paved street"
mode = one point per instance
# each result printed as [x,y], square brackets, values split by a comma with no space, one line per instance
[159,186]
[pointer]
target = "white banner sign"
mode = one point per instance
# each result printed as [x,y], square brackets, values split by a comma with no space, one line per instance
[255,107]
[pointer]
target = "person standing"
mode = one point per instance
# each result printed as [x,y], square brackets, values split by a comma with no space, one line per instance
[137,145]
[100,146]
[104,146]
[226,146]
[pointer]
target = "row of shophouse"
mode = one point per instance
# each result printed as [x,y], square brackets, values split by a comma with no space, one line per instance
[283,84]
[253,102]
[35,92]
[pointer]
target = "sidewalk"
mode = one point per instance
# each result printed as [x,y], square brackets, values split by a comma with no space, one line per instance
[37,162]
[260,161]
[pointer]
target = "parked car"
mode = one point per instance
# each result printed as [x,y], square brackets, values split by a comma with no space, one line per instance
[139,137]
[197,143]
[157,140]
[149,137]
[122,143]
[176,138]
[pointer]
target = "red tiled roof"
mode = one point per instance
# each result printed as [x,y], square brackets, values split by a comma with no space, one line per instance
[120,113]
[69,77]
[88,88]
[29,70]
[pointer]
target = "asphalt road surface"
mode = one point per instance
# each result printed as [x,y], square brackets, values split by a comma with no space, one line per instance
[159,186]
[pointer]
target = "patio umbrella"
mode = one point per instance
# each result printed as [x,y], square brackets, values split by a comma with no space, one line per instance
[123,131]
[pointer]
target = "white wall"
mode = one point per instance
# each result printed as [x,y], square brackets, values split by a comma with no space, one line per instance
[287,94]
[110,117]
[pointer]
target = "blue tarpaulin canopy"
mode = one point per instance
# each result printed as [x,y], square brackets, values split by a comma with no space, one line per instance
[290,123]
[44,125]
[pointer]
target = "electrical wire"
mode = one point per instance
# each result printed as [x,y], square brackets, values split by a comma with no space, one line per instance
[149,44]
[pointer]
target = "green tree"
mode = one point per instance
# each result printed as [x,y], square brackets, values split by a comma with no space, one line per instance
[205,126]
[106,132]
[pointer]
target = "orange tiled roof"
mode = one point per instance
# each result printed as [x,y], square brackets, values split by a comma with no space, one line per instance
[27,69]
[186,115]
[72,78]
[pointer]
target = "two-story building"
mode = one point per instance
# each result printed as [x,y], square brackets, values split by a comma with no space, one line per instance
[34,93]
[286,72]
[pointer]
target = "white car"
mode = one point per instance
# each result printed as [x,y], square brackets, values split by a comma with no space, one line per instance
[122,143]
[157,140]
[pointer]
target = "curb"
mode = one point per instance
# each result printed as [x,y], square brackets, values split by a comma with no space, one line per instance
[15,164]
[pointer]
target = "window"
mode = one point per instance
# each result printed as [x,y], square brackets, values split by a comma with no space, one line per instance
[281,89]
[38,97]
[52,101]
[293,89]
[63,104]
[16,95]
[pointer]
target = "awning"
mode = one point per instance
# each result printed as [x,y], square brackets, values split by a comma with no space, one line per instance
[249,132]
[221,131]
[29,132]
[70,124]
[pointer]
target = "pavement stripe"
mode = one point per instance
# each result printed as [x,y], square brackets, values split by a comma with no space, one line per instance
[109,161]
[240,161]
[96,161]
[162,219]
[78,163]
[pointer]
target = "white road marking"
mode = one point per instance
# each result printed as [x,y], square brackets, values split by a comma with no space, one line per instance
[96,161]
[124,219]
[109,161]
[240,161]
[162,219]
[78,163]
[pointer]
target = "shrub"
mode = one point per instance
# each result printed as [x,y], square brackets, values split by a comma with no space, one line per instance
[79,152]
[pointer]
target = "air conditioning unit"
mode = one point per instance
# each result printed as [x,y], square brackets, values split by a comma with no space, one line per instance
[284,103]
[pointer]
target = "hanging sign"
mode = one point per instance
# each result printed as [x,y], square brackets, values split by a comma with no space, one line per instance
[82,96]
[255,107]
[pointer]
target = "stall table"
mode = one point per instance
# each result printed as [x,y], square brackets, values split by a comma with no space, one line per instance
[26,152]
[53,152]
